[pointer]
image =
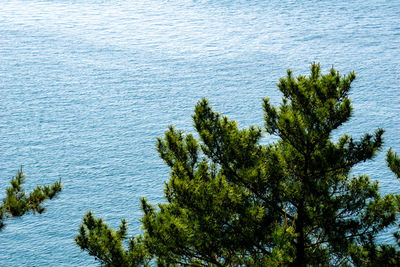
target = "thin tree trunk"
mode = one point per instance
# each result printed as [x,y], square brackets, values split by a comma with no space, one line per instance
[300,259]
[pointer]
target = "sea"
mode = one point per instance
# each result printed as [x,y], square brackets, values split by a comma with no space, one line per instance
[87,86]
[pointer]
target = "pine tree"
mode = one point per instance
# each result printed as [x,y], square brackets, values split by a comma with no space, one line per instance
[17,202]
[232,201]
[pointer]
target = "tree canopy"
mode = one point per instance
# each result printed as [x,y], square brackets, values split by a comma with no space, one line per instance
[17,202]
[233,201]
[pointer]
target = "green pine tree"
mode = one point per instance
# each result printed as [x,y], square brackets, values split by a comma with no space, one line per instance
[232,201]
[17,202]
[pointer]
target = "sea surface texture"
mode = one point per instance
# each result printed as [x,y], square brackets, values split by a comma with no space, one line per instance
[86,87]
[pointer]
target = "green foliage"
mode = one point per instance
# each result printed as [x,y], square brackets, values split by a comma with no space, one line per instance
[393,162]
[106,244]
[17,202]
[232,201]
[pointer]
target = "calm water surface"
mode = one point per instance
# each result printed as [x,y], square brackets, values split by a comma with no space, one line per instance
[87,86]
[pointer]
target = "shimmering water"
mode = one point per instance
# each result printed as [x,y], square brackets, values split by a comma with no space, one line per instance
[87,86]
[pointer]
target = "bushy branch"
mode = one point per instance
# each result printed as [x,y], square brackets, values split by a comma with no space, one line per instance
[17,202]
[107,245]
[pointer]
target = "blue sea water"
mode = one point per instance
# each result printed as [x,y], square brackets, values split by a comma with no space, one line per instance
[87,86]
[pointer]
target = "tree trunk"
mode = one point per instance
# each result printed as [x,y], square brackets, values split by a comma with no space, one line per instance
[300,259]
